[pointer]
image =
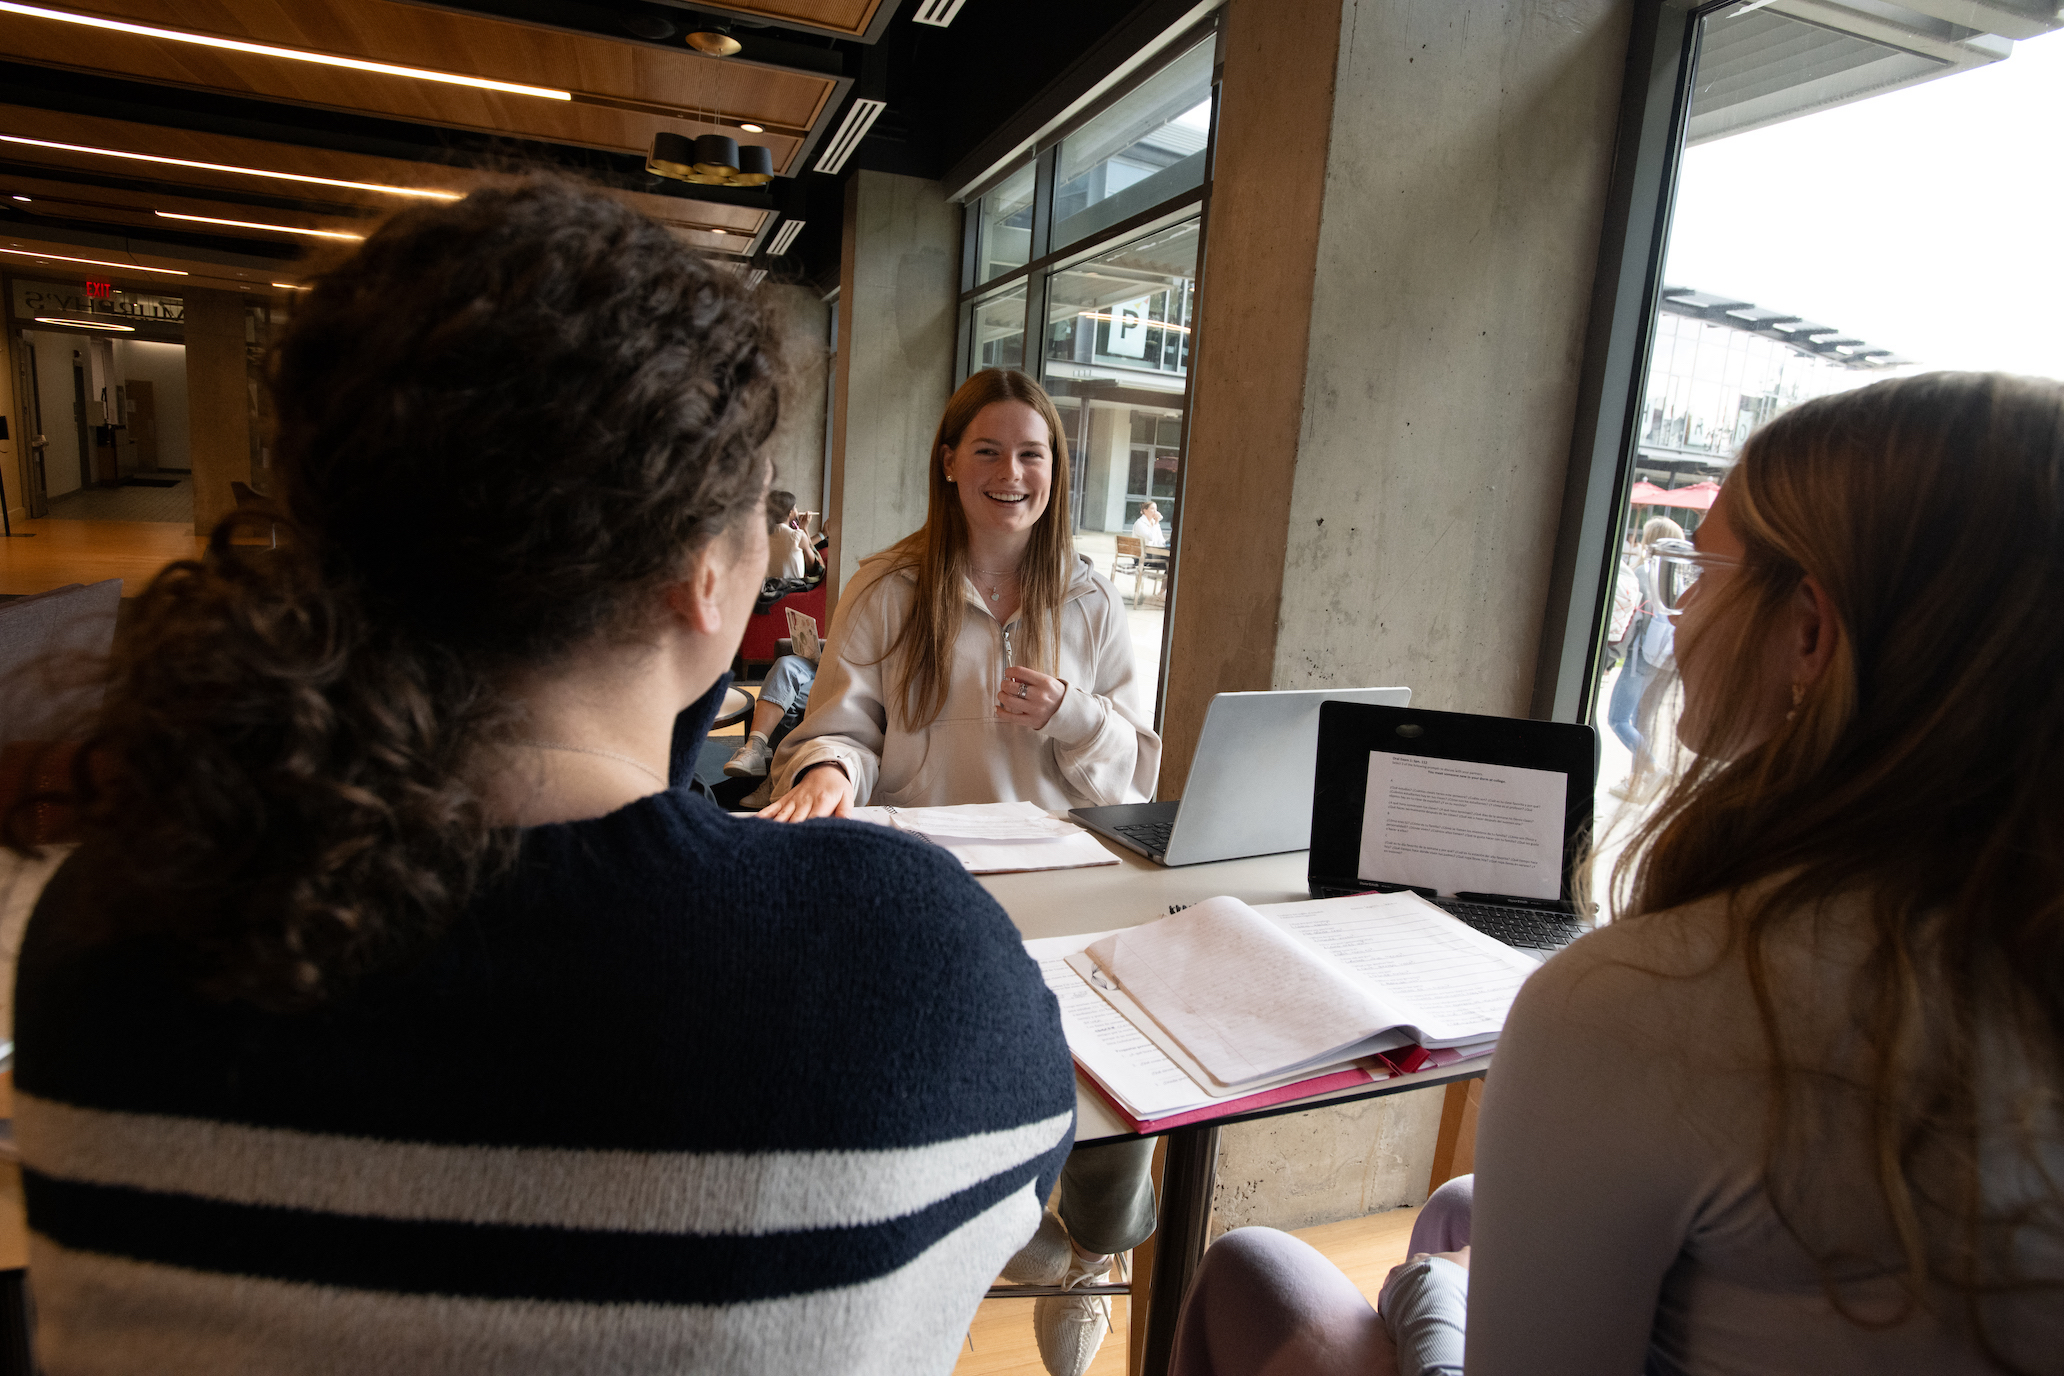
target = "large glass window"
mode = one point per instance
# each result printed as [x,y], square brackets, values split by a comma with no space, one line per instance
[1004,230]
[1766,303]
[998,337]
[1145,149]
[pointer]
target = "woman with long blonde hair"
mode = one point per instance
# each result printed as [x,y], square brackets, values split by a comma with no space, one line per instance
[1802,1109]
[983,660]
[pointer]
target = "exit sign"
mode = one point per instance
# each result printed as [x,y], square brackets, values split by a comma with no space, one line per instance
[103,290]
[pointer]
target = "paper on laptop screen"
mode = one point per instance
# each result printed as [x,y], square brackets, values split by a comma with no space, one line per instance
[1456,826]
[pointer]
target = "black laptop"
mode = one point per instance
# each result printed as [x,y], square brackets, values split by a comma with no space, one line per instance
[1486,817]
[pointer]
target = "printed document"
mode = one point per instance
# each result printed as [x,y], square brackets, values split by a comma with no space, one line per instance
[1455,826]
[996,838]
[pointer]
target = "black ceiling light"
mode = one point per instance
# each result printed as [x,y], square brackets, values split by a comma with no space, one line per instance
[710,160]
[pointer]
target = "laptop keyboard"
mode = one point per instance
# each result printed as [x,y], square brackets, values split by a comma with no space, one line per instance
[1153,835]
[1516,926]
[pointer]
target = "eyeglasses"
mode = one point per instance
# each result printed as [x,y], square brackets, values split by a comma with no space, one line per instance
[1676,571]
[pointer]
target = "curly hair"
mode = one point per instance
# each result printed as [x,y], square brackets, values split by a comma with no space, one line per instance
[503,424]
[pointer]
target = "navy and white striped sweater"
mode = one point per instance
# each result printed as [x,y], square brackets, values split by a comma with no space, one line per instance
[688,1092]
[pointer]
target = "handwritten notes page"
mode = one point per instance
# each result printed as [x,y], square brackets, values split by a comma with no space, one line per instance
[1238,993]
[1459,827]
[1448,982]
[1241,997]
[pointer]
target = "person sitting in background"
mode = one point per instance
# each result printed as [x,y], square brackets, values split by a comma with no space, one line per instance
[982,660]
[791,556]
[1147,529]
[395,1015]
[1801,1109]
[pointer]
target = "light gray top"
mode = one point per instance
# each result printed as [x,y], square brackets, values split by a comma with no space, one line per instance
[1620,1221]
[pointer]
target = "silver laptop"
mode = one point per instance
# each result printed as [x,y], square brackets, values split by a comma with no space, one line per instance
[1250,785]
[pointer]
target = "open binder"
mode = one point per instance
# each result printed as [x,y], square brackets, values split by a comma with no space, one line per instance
[1224,1008]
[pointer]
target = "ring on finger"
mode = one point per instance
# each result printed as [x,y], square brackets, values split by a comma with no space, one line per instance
[1023,688]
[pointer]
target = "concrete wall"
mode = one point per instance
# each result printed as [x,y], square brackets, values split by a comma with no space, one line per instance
[164,367]
[897,318]
[797,449]
[218,402]
[1327,1164]
[1465,190]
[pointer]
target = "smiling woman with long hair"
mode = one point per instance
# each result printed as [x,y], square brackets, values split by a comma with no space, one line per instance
[1802,1109]
[396,1014]
[981,659]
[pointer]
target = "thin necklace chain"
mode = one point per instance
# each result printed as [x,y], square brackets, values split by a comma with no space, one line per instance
[647,770]
[995,593]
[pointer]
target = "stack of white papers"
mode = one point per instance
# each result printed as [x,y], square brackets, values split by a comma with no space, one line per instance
[997,838]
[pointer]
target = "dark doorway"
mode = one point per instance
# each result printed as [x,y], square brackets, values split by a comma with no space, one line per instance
[79,419]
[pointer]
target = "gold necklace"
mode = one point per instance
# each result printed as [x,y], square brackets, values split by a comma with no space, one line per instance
[995,593]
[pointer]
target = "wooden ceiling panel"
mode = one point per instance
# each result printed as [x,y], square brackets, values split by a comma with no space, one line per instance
[624,93]
[163,141]
[842,16]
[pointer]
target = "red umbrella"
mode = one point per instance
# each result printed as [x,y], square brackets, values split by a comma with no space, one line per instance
[1699,496]
[1646,493]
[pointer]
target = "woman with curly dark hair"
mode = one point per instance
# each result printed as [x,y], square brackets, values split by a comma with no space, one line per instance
[395,1013]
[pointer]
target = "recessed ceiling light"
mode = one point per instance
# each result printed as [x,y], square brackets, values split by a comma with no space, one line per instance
[292,54]
[225,167]
[290,286]
[754,128]
[253,224]
[21,198]
[85,324]
[91,262]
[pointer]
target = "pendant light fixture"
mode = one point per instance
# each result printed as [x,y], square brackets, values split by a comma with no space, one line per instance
[710,160]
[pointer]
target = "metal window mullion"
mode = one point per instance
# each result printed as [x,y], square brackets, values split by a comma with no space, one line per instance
[1035,323]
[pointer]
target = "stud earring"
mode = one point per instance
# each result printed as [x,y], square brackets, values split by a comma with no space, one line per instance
[1798,693]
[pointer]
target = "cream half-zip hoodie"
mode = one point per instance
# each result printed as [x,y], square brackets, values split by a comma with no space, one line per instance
[1098,748]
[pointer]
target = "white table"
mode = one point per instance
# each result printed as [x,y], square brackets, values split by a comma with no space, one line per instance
[1135,890]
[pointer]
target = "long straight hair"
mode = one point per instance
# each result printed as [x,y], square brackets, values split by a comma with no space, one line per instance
[1917,776]
[921,656]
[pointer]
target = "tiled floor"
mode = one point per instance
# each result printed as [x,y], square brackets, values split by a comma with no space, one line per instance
[128,503]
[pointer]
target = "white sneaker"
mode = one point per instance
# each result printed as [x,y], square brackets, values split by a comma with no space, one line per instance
[751,759]
[1043,1260]
[1070,1328]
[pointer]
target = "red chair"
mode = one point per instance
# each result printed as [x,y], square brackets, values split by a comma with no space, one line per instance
[765,630]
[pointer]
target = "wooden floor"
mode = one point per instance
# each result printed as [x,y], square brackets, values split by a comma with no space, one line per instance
[1000,1341]
[61,552]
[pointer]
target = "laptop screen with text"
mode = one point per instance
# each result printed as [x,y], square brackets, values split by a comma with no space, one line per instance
[1462,827]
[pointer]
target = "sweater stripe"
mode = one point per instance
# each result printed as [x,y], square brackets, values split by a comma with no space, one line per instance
[107,1316]
[606,1190]
[492,1261]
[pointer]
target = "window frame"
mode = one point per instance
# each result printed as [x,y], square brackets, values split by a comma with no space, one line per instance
[1655,103]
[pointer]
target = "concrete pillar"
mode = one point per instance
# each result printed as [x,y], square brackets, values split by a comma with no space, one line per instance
[898,281]
[1404,223]
[797,449]
[218,402]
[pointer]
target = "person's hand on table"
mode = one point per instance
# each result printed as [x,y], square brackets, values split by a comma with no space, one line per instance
[824,791]
[1028,697]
